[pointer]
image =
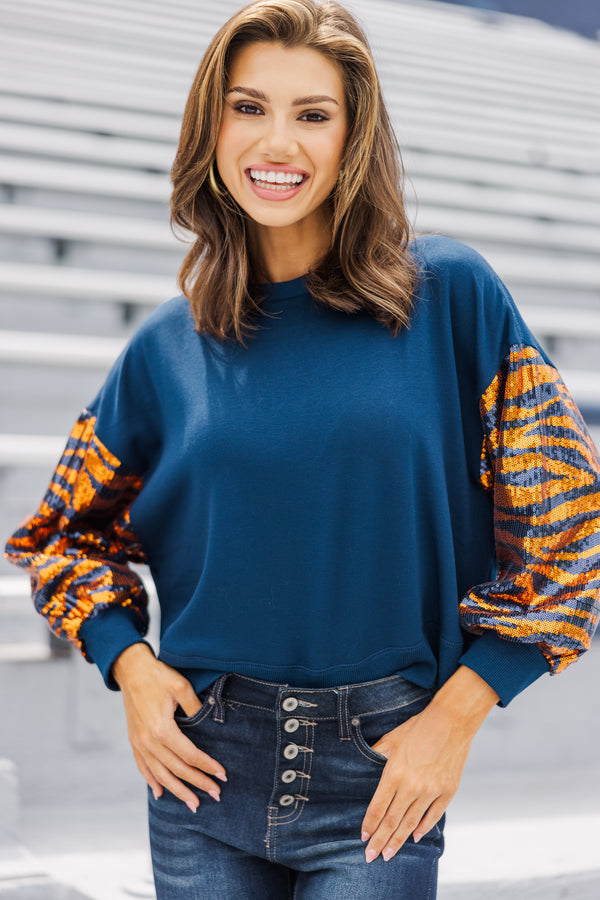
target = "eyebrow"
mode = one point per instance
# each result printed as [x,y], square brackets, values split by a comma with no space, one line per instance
[299,101]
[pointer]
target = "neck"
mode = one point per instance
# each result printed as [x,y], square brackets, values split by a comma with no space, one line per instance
[289,252]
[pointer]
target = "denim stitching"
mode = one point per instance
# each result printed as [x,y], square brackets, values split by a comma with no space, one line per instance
[316,717]
[271,839]
[189,721]
[432,884]
[299,809]
[272,834]
[236,703]
[356,743]
[346,717]
[343,730]
[219,713]
[371,712]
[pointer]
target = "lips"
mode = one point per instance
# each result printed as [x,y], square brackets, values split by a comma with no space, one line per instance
[280,183]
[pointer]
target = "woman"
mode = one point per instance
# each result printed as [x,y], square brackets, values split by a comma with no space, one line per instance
[368,502]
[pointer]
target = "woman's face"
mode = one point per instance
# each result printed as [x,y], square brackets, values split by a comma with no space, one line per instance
[282,134]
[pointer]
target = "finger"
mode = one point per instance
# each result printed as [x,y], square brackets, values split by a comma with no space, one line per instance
[185,772]
[379,805]
[409,822]
[188,699]
[193,756]
[431,818]
[173,784]
[389,825]
[153,784]
[171,737]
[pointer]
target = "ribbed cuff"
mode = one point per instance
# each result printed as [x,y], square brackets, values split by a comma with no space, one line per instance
[106,635]
[507,666]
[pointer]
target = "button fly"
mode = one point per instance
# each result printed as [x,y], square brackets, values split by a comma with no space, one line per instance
[291,751]
[292,725]
[286,800]
[290,704]
[288,776]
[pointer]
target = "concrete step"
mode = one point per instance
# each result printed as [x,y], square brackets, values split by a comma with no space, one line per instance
[578,886]
[41,888]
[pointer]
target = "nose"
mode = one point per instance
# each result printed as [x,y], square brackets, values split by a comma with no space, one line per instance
[278,142]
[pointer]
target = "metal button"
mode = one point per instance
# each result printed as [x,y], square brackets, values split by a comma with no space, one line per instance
[290,704]
[291,751]
[356,722]
[288,776]
[211,700]
[286,800]
[292,725]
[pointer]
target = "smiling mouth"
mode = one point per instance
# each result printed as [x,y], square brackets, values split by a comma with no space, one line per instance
[269,180]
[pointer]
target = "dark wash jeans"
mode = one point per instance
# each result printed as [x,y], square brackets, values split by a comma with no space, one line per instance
[301,773]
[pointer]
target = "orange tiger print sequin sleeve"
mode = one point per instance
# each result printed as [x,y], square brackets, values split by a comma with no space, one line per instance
[78,544]
[542,471]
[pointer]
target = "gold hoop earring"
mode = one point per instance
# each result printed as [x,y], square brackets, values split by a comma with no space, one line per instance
[213,181]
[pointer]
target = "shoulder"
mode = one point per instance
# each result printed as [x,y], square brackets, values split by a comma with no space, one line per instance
[154,342]
[126,407]
[167,323]
[469,301]
[450,260]
[463,282]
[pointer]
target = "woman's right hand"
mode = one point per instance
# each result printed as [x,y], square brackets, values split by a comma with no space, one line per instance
[152,691]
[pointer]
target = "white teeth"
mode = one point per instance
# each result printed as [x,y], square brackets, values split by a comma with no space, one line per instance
[276,180]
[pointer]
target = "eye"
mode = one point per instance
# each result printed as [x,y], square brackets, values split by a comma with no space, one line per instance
[248,109]
[314,116]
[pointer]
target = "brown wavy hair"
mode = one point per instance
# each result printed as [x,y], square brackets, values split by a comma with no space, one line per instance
[368,266]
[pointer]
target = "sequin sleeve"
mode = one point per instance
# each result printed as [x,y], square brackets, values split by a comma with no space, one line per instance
[541,469]
[78,545]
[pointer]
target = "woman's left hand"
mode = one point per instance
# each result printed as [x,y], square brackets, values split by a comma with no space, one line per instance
[426,756]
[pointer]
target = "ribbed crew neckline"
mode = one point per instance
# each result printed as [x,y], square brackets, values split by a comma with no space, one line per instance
[284,290]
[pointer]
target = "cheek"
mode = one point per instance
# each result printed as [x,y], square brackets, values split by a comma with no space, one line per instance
[331,154]
[227,148]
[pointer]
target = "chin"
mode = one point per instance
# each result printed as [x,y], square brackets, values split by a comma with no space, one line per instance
[273,218]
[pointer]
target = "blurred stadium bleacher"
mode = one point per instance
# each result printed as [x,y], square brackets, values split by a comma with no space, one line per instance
[499,120]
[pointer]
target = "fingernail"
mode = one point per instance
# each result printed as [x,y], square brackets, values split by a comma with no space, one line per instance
[155,794]
[191,806]
[417,836]
[215,796]
[221,776]
[370,855]
[365,836]
[388,853]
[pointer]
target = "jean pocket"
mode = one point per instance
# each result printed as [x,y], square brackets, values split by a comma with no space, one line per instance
[363,747]
[183,721]
[369,728]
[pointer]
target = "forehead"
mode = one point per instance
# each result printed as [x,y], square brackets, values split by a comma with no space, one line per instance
[272,65]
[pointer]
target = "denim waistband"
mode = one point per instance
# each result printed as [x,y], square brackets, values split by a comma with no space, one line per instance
[390,693]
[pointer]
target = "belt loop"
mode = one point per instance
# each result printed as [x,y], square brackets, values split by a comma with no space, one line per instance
[343,723]
[217,697]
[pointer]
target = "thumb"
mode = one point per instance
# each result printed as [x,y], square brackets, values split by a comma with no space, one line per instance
[188,699]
